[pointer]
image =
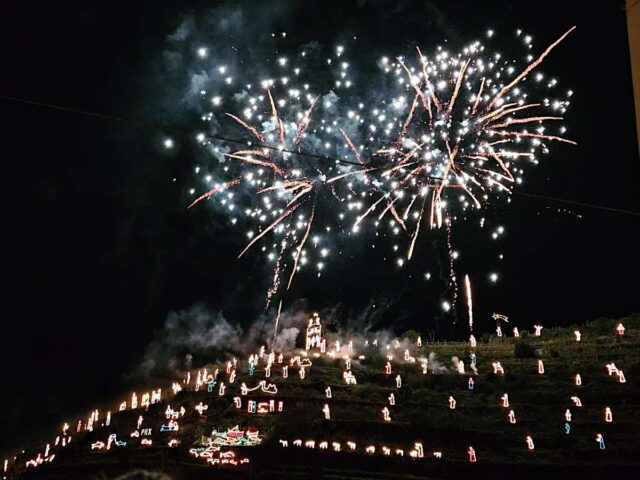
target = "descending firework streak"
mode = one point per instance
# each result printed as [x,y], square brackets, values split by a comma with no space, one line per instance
[438,136]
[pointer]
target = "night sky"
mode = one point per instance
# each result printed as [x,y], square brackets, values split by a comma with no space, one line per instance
[99,247]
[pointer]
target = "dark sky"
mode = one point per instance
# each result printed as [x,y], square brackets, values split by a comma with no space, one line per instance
[99,248]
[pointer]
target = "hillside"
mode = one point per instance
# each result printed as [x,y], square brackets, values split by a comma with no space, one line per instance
[414,412]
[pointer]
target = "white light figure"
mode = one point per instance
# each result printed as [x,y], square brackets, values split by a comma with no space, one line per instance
[567,415]
[237,401]
[392,399]
[419,450]
[386,415]
[398,381]
[452,402]
[578,335]
[439,454]
[460,367]
[351,445]
[267,372]
[505,400]
[386,451]
[336,446]
[232,376]
[620,329]
[302,372]
[473,342]
[512,416]
[472,454]
[530,444]
[419,341]
[285,371]
[498,331]
[323,445]
[399,452]
[497,368]
[134,401]
[349,378]
[201,408]
[222,389]
[370,449]
[108,421]
[540,367]
[176,388]
[139,422]
[328,392]
[326,411]
[611,368]
[347,363]
[425,365]
[516,333]
[608,416]
[284,443]
[387,368]
[578,379]
[576,401]
[621,378]
[600,440]
[538,329]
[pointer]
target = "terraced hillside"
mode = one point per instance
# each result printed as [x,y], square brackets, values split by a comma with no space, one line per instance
[413,412]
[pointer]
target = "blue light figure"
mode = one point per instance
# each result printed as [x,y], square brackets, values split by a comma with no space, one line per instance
[471,383]
[600,440]
[473,359]
[251,368]
[567,428]
[211,386]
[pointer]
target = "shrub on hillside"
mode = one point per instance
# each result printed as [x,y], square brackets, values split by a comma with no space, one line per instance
[522,349]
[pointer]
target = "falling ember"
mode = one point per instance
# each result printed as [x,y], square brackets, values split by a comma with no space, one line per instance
[467,284]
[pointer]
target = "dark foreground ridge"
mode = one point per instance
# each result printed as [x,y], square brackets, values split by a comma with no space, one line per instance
[566,404]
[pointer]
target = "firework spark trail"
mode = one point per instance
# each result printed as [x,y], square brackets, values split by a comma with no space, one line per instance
[253,131]
[270,227]
[301,246]
[452,272]
[216,190]
[275,327]
[467,284]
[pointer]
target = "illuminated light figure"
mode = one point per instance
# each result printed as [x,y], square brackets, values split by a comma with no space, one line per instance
[530,444]
[578,335]
[406,355]
[452,403]
[567,428]
[328,392]
[386,451]
[251,369]
[336,446]
[516,333]
[310,444]
[201,408]
[386,414]
[425,365]
[46,451]
[323,445]
[146,400]
[392,399]
[6,465]
[79,427]
[375,342]
[512,416]
[135,434]
[176,388]
[439,455]
[497,368]
[284,443]
[387,368]
[302,373]
[608,416]
[621,378]
[222,389]
[472,454]
[460,367]
[540,367]
[370,449]
[251,406]
[349,378]
[297,443]
[188,379]
[314,333]
[267,372]
[398,381]
[237,402]
[156,396]
[134,401]
[418,451]
[620,329]
[396,344]
[498,331]
[108,421]
[285,371]
[211,386]
[600,440]
[578,379]
[611,368]
[567,415]
[232,376]
[399,452]
[140,418]
[473,341]
[326,411]
[229,365]
[146,431]
[146,442]
[171,427]
[419,341]
[351,445]
[538,329]
[576,401]
[505,400]
[471,383]
[172,443]
[473,358]
[347,361]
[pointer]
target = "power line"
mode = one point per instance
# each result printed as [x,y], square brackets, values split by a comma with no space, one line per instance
[268,147]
